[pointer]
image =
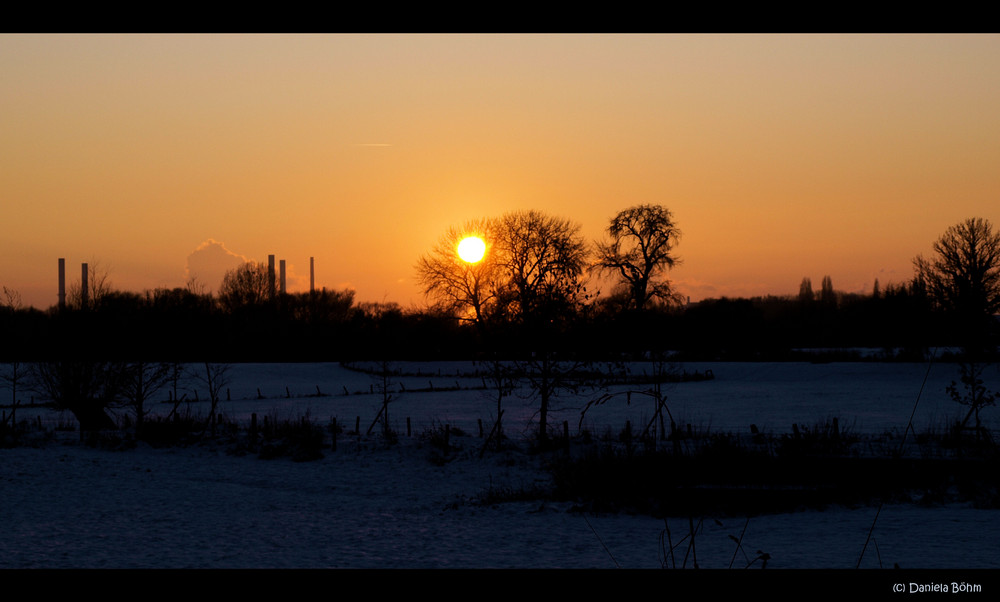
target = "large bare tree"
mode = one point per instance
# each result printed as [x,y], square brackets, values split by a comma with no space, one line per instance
[964,275]
[461,287]
[542,258]
[963,278]
[532,266]
[639,251]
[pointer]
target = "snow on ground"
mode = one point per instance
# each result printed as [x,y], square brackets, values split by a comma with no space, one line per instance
[368,505]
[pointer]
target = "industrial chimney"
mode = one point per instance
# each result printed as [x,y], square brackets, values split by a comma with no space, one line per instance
[83,286]
[270,275]
[62,282]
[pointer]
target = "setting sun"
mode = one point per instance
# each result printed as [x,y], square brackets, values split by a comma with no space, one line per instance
[471,249]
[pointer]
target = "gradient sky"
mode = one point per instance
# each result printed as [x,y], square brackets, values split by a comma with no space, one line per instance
[781,156]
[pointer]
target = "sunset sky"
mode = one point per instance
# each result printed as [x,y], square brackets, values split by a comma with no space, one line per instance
[781,156]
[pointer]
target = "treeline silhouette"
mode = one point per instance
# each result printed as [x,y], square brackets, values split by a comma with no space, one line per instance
[526,295]
[181,325]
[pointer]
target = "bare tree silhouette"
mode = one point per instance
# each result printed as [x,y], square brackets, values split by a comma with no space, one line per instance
[215,377]
[964,279]
[84,387]
[549,378]
[98,286]
[14,372]
[532,266]
[140,381]
[640,251]
[543,258]
[972,392]
[248,284]
[11,299]
[964,275]
[460,287]
[500,382]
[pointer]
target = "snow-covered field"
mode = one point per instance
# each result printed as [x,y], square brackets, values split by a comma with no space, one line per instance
[368,505]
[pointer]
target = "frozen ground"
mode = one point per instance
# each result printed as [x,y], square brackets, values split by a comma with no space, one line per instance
[372,506]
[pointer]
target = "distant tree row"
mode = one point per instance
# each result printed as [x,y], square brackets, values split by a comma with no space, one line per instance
[183,325]
[826,294]
[525,294]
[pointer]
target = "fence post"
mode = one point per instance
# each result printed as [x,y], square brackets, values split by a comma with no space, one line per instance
[407,426]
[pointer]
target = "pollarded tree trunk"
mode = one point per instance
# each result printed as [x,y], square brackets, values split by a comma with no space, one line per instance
[83,387]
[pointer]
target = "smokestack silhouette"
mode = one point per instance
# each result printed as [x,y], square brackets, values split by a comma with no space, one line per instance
[312,276]
[62,282]
[83,286]
[270,275]
[282,271]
